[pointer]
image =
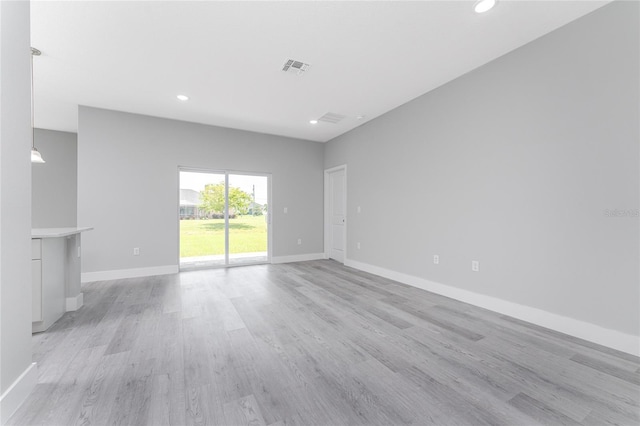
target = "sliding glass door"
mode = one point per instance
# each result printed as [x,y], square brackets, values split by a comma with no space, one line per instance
[248,227]
[223,218]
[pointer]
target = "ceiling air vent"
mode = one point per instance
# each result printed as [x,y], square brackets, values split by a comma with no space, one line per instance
[295,67]
[332,117]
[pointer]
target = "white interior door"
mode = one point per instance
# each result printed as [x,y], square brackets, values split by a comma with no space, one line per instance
[337,214]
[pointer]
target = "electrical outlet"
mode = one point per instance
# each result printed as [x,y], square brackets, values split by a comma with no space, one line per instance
[299,241]
[359,209]
[358,245]
[436,259]
[475,265]
[136,251]
[78,251]
[286,210]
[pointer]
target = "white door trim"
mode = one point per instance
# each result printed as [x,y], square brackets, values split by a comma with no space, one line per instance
[226,173]
[327,213]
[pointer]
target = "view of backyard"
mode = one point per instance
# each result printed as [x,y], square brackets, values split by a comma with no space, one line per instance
[205,237]
[204,200]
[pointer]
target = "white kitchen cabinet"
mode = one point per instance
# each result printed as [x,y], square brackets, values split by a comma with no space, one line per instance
[36,279]
[36,300]
[48,283]
[55,270]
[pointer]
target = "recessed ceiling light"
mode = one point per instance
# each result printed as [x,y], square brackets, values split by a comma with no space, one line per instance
[313,121]
[182,98]
[484,5]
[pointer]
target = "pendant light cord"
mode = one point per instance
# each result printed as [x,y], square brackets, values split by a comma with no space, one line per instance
[34,52]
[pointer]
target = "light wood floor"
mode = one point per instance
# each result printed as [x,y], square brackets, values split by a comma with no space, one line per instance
[313,343]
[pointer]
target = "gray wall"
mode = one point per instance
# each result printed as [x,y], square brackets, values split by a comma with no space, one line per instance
[514,165]
[54,195]
[128,184]
[15,194]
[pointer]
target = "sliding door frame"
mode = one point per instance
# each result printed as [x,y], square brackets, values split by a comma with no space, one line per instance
[226,173]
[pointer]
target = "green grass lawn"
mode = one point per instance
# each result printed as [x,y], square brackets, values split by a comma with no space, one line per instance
[247,234]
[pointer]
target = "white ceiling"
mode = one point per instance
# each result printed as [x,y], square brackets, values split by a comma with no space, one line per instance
[366,57]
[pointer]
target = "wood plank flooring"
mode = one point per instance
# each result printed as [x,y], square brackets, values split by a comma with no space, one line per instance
[313,343]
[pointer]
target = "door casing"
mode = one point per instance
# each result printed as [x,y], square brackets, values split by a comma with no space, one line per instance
[226,174]
[328,192]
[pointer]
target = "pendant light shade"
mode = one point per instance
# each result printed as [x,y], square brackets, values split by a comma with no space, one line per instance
[36,157]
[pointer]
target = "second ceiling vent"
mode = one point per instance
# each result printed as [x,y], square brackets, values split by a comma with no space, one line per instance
[295,67]
[332,117]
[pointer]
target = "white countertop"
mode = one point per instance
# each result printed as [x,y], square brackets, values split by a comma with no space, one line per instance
[56,232]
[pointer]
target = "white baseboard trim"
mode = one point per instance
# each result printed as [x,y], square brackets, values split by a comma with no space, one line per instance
[75,303]
[594,333]
[297,258]
[18,392]
[128,273]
